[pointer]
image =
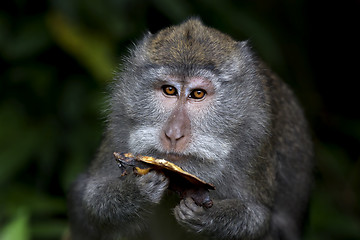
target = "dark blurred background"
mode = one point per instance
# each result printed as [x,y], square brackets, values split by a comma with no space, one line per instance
[57,57]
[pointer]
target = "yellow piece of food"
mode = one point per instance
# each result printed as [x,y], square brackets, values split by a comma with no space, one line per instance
[142,171]
[156,163]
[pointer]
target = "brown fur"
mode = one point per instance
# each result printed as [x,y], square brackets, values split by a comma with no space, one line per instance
[190,43]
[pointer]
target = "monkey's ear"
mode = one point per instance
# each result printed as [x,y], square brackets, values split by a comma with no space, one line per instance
[246,44]
[245,49]
[194,19]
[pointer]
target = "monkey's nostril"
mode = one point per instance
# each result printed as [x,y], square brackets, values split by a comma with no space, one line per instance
[173,137]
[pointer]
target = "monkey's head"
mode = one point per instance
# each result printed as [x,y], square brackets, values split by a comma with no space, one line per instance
[190,93]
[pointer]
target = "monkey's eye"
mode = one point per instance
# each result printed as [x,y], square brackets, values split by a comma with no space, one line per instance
[197,94]
[169,90]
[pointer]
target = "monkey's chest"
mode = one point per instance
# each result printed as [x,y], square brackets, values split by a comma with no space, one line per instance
[162,224]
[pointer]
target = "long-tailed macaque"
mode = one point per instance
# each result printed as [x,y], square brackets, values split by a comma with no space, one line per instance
[194,96]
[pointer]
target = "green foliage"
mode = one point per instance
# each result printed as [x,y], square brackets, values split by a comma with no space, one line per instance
[18,228]
[57,58]
[92,50]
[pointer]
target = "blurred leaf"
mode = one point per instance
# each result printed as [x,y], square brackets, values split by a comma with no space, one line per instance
[51,229]
[83,144]
[35,201]
[37,76]
[30,38]
[350,127]
[328,221]
[334,162]
[73,100]
[4,30]
[176,10]
[249,23]
[93,51]
[17,141]
[18,228]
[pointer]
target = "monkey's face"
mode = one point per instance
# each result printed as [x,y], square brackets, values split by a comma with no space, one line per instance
[193,115]
[190,94]
[175,116]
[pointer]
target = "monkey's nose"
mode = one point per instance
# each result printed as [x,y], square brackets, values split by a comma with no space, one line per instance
[174,135]
[176,132]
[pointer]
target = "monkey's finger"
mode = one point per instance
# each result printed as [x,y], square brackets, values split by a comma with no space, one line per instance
[185,211]
[189,209]
[190,204]
[179,215]
[153,185]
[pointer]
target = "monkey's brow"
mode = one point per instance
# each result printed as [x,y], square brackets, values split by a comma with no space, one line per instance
[182,70]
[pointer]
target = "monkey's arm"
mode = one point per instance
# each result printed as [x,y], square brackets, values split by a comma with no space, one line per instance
[102,203]
[227,219]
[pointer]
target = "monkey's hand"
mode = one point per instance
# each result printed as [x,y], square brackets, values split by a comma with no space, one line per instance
[226,219]
[120,199]
[106,205]
[152,185]
[190,214]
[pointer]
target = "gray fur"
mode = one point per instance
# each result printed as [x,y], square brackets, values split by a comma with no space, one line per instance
[251,142]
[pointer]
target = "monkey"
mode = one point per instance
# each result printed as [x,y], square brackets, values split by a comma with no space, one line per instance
[196,97]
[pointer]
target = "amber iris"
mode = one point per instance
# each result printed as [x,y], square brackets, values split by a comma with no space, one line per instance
[169,90]
[197,94]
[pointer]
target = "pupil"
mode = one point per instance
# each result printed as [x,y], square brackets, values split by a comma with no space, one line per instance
[170,90]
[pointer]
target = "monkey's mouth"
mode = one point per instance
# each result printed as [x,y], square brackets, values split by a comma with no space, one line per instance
[174,157]
[170,156]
